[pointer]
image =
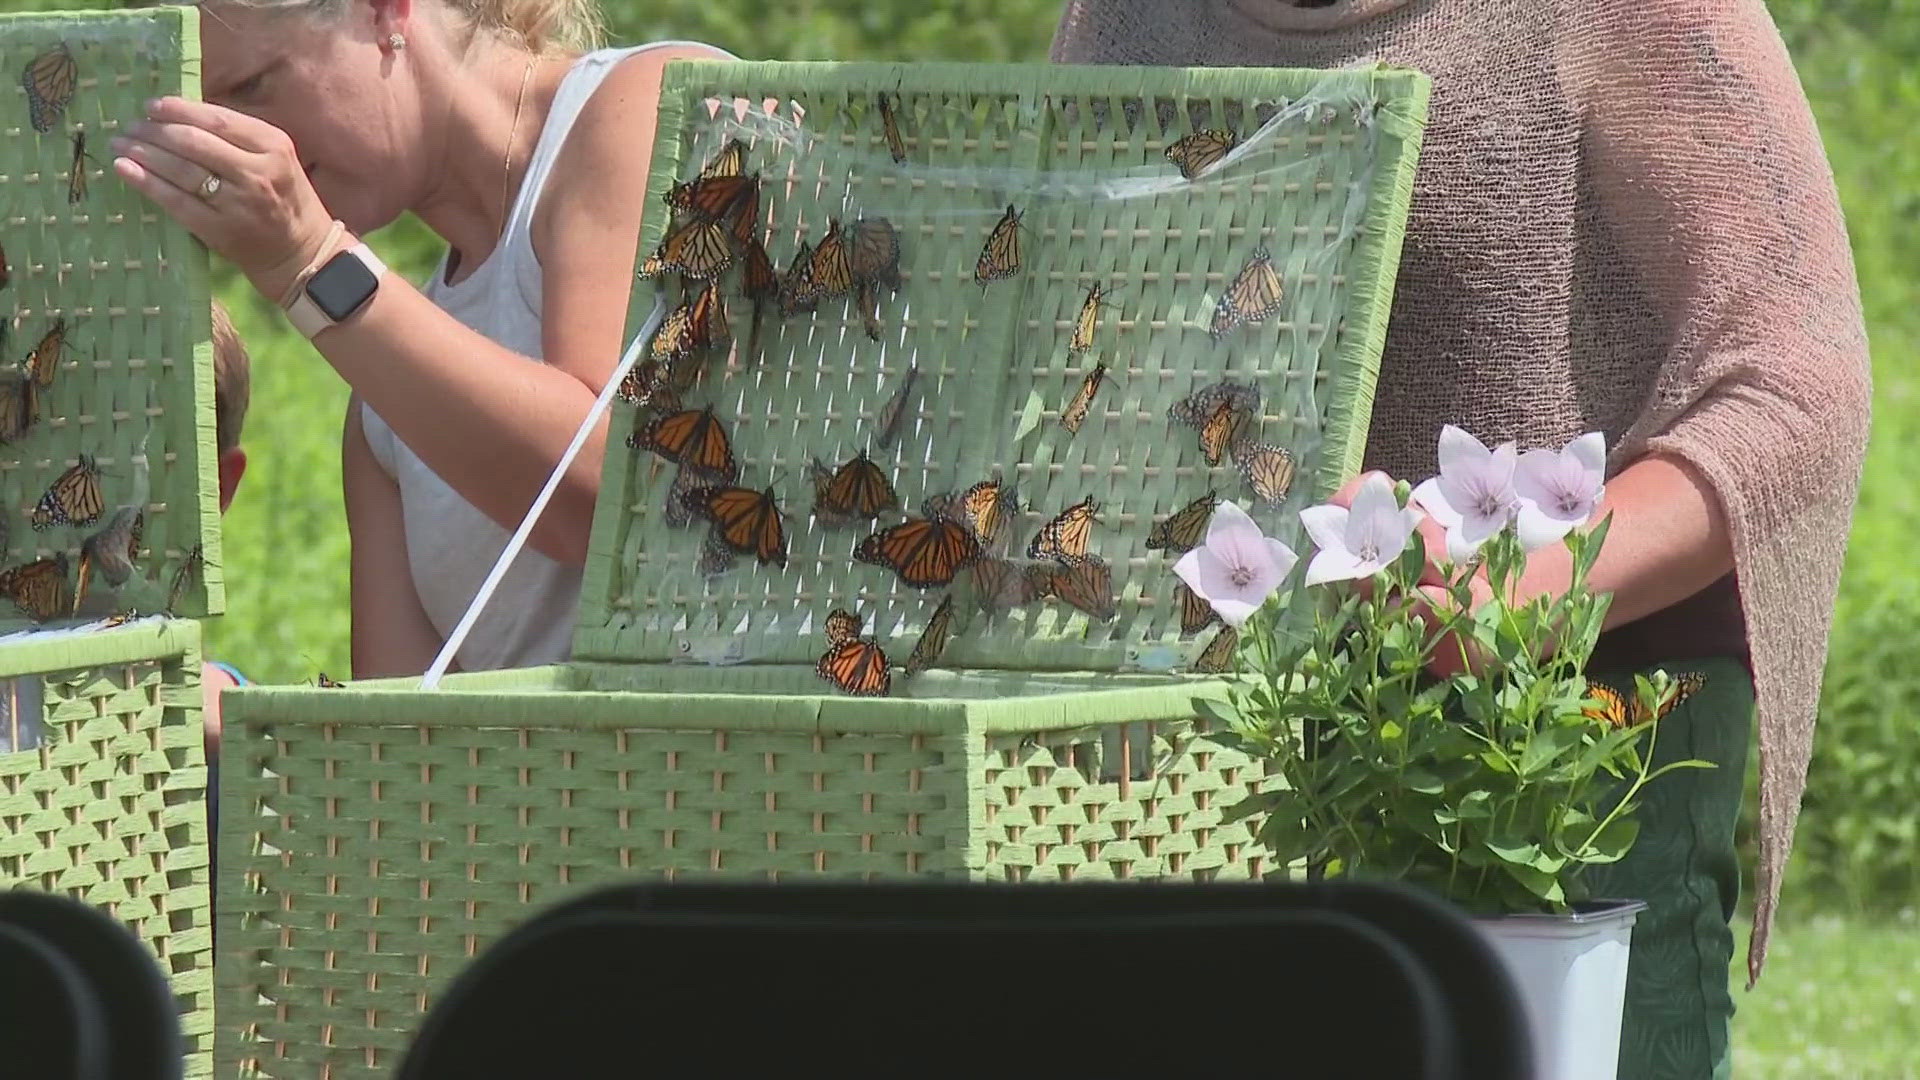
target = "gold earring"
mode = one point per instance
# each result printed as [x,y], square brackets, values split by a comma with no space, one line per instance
[396,42]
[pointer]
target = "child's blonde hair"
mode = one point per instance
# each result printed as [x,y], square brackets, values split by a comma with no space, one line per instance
[232,380]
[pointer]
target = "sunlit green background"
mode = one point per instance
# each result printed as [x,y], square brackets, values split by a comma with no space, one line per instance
[1839,999]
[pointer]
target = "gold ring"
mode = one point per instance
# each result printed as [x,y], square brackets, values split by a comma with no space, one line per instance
[210,186]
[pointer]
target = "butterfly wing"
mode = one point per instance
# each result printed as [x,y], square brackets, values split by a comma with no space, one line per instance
[1183,531]
[1195,612]
[1196,153]
[72,499]
[49,80]
[77,175]
[890,128]
[842,625]
[692,437]
[1086,585]
[698,249]
[868,302]
[925,552]
[1000,256]
[857,667]
[874,252]
[1217,657]
[1000,585]
[759,280]
[1075,413]
[1221,431]
[731,160]
[39,588]
[43,363]
[1082,338]
[1267,469]
[831,269]
[933,640]
[895,410]
[1254,296]
[797,292]
[19,406]
[747,521]
[1607,705]
[712,198]
[1065,537]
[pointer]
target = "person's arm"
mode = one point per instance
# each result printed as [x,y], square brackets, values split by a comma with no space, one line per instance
[391,632]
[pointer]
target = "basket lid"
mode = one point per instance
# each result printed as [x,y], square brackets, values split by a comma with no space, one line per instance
[987,273]
[107,460]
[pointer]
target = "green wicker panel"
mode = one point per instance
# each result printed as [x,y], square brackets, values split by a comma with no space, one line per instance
[133,389]
[1322,180]
[381,838]
[106,800]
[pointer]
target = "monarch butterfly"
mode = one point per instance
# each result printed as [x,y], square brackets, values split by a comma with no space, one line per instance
[1000,256]
[895,409]
[746,215]
[323,682]
[1185,528]
[745,520]
[1267,469]
[77,176]
[689,328]
[1616,710]
[72,499]
[112,550]
[44,361]
[49,80]
[1254,295]
[890,127]
[19,405]
[1065,537]
[797,291]
[854,664]
[687,479]
[1001,585]
[1196,153]
[925,552]
[715,556]
[712,198]
[119,618]
[987,508]
[691,437]
[1196,408]
[857,489]
[647,386]
[191,564]
[1082,338]
[39,588]
[1086,585]
[731,160]
[1195,612]
[1075,413]
[697,249]
[874,252]
[933,640]
[1222,431]
[758,279]
[869,304]
[831,269]
[1217,657]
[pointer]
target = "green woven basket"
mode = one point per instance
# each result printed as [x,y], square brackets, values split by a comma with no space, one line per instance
[382,836]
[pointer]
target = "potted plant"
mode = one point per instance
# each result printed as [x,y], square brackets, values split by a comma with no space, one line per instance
[1428,725]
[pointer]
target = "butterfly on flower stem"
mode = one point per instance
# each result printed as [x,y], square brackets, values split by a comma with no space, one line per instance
[854,664]
[1616,709]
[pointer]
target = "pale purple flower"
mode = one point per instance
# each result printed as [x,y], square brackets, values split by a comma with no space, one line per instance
[1559,489]
[1236,568]
[1360,542]
[1473,497]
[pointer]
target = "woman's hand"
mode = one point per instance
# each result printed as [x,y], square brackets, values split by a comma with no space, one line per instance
[262,213]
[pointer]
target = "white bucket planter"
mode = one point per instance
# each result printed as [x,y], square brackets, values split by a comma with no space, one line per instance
[1571,971]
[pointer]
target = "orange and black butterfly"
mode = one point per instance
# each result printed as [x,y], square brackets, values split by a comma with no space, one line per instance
[1196,153]
[745,520]
[746,215]
[758,279]
[1075,413]
[831,268]
[987,508]
[933,640]
[1085,584]
[1195,612]
[712,198]
[77,176]
[43,363]
[19,405]
[1268,469]
[797,292]
[857,489]
[72,499]
[1084,324]
[873,252]
[687,479]
[191,565]
[890,128]
[1222,431]
[868,302]
[648,385]
[691,437]
[1254,295]
[1000,256]
[1064,539]
[925,552]
[1217,657]
[691,328]
[39,588]
[1002,584]
[698,249]
[715,556]
[1195,409]
[730,161]
[895,410]
[110,550]
[323,682]
[854,664]
[49,80]
[1184,528]
[1616,709]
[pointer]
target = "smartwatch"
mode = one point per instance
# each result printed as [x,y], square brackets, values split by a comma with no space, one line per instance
[334,292]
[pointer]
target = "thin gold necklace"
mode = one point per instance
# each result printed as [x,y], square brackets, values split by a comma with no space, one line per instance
[506,166]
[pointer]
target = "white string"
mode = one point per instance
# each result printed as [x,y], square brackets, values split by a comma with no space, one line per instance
[431,680]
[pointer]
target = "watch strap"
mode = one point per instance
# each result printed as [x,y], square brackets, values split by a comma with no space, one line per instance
[306,315]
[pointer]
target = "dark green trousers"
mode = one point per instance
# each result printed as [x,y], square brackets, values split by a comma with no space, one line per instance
[1679,1011]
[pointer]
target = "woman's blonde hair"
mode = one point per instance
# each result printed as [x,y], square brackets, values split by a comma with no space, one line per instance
[542,27]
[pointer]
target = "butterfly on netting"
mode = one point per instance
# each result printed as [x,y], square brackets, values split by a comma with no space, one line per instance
[690,328]
[797,292]
[933,640]
[1616,709]
[1196,153]
[1075,413]
[857,489]
[686,479]
[1000,255]
[697,248]
[890,129]
[1085,584]
[730,160]
[987,508]
[1084,323]
[1184,528]
[1267,469]
[831,269]
[49,80]
[111,550]
[648,386]
[714,198]
[19,405]
[854,664]
[1001,584]
[1195,613]
[191,565]
[72,499]
[873,252]
[1217,657]
[925,553]
[746,521]
[1254,295]
[716,557]
[1064,539]
[1220,413]
[77,175]
[43,362]
[39,588]
[895,410]
[693,437]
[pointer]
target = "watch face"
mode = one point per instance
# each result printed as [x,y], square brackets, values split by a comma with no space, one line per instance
[339,288]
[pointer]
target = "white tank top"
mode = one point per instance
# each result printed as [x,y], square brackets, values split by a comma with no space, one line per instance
[450,544]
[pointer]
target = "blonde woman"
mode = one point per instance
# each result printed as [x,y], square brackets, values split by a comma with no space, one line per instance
[525,149]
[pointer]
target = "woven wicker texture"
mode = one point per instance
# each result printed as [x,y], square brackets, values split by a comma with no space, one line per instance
[108,805]
[132,388]
[372,858]
[1321,180]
